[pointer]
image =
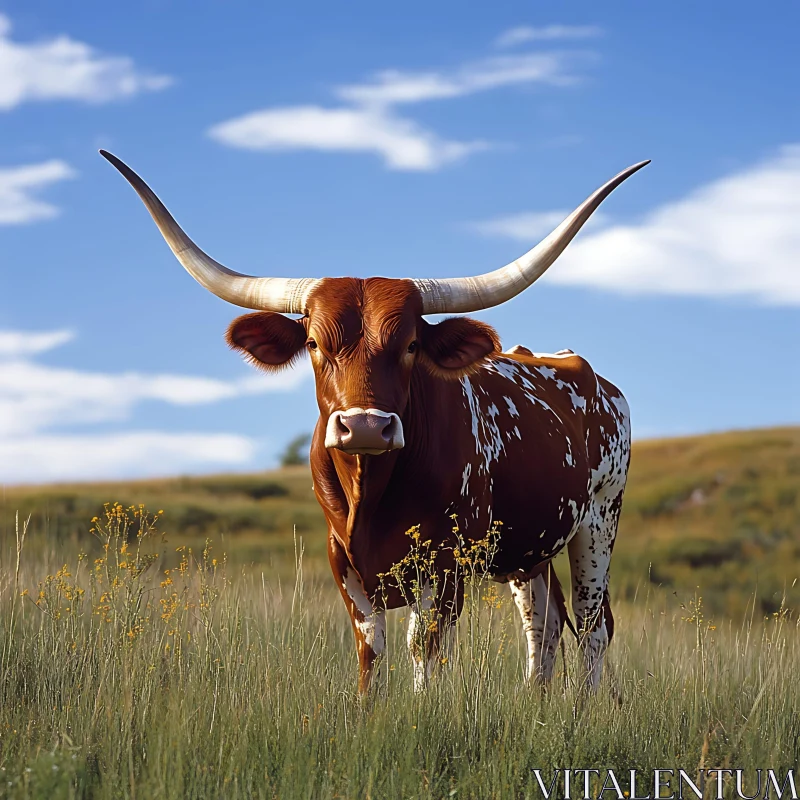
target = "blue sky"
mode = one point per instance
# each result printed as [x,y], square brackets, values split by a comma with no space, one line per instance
[409,141]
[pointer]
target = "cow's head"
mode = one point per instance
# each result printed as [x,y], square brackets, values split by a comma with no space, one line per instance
[365,337]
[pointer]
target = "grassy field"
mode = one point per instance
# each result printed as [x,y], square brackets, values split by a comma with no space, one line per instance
[132,667]
[125,678]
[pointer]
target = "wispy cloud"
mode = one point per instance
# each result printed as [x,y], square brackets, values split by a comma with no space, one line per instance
[526,226]
[393,87]
[34,396]
[41,405]
[370,121]
[524,34]
[401,143]
[737,236]
[37,459]
[62,68]
[19,185]
[21,343]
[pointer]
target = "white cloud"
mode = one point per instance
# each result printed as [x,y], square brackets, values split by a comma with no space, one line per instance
[402,143]
[18,187]
[369,123]
[37,459]
[34,397]
[738,236]
[530,226]
[549,33]
[20,343]
[37,400]
[392,87]
[527,226]
[65,69]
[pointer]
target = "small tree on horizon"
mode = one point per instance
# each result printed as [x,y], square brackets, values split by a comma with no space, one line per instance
[296,452]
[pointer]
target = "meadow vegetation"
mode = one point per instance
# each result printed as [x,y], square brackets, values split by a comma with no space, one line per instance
[138,659]
[721,512]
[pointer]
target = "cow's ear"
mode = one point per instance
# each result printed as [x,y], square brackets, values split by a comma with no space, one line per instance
[457,346]
[268,340]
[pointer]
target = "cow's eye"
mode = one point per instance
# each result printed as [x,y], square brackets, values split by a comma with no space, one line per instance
[412,347]
[311,344]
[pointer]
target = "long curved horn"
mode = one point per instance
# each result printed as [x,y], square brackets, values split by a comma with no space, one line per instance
[285,295]
[461,295]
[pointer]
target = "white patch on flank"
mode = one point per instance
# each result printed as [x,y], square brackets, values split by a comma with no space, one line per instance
[576,514]
[530,393]
[621,404]
[517,372]
[609,477]
[485,430]
[512,409]
[505,368]
[520,375]
[577,400]
[465,479]
[472,404]
[372,624]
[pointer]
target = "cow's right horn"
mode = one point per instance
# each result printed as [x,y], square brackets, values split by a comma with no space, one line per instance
[285,295]
[462,295]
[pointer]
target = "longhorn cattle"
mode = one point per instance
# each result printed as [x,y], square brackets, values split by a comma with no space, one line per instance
[424,423]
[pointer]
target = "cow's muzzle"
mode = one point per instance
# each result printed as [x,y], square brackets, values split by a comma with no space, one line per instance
[360,431]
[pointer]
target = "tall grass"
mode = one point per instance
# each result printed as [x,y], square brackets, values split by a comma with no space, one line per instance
[129,674]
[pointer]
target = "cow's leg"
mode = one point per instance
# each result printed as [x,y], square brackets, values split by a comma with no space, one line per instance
[418,638]
[541,605]
[369,623]
[590,556]
[430,632]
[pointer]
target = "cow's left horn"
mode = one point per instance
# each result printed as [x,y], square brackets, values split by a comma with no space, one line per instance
[461,295]
[285,295]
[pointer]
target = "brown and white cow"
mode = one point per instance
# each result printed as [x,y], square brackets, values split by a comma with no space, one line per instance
[419,422]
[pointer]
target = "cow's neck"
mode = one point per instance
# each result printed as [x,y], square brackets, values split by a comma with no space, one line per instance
[364,480]
[430,415]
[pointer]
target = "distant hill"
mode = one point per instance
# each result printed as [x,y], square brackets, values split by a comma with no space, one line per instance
[720,512]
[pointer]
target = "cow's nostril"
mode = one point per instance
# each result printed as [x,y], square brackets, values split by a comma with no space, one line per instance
[388,430]
[341,427]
